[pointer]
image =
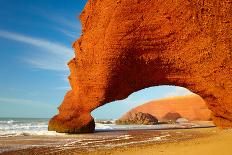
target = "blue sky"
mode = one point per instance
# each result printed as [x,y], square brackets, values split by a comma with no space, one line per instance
[35,45]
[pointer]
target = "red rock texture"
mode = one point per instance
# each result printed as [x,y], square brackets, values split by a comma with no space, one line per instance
[191,107]
[128,45]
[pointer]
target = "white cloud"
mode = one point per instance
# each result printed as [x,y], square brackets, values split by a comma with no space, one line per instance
[70,29]
[61,17]
[68,25]
[52,62]
[49,46]
[71,34]
[57,54]
[74,24]
[24,102]
[178,91]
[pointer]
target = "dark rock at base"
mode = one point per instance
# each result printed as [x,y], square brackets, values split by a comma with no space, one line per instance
[137,118]
[71,126]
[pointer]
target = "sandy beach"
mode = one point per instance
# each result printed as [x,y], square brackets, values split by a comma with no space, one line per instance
[199,141]
[217,142]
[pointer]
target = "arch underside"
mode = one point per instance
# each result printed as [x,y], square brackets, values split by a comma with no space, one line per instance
[142,44]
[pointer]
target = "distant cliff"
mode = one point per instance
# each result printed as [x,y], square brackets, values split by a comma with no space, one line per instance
[191,107]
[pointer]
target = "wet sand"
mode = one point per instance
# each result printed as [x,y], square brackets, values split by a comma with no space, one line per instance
[217,142]
[182,141]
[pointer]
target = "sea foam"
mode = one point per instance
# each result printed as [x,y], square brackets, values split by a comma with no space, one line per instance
[24,127]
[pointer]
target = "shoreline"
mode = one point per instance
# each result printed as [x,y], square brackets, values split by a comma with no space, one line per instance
[219,142]
[122,142]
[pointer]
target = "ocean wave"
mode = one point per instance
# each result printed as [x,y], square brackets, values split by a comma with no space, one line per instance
[100,126]
[23,127]
[29,133]
[7,122]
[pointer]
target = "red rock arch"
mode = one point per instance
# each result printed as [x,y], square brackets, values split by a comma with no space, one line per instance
[128,45]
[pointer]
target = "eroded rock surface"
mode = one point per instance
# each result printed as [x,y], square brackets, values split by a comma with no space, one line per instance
[128,45]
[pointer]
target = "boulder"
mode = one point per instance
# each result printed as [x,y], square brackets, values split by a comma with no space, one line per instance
[137,118]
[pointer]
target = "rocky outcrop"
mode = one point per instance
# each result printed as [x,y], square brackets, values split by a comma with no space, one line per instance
[129,45]
[191,107]
[171,116]
[137,118]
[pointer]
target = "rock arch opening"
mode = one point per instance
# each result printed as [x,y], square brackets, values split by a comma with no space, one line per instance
[166,103]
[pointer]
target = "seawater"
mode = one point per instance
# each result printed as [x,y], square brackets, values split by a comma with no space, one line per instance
[10,127]
[20,134]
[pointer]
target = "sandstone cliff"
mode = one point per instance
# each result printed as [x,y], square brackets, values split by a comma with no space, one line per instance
[191,107]
[129,45]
